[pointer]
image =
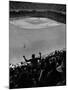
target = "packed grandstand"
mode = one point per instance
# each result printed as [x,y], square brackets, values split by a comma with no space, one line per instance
[47,70]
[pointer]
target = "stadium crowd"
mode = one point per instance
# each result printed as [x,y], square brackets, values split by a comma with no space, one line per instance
[39,71]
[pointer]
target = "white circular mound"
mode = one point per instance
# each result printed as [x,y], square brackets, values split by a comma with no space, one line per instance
[34,23]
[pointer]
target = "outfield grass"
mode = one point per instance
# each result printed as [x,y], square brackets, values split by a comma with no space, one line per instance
[26,38]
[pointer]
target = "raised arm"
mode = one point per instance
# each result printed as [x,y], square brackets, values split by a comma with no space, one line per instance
[25,59]
[40,55]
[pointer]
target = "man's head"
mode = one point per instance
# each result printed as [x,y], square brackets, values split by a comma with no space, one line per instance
[39,53]
[33,56]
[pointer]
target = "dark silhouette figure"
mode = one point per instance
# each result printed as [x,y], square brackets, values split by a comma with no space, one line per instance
[33,60]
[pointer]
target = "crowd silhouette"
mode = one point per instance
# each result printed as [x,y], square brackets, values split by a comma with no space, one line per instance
[41,71]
